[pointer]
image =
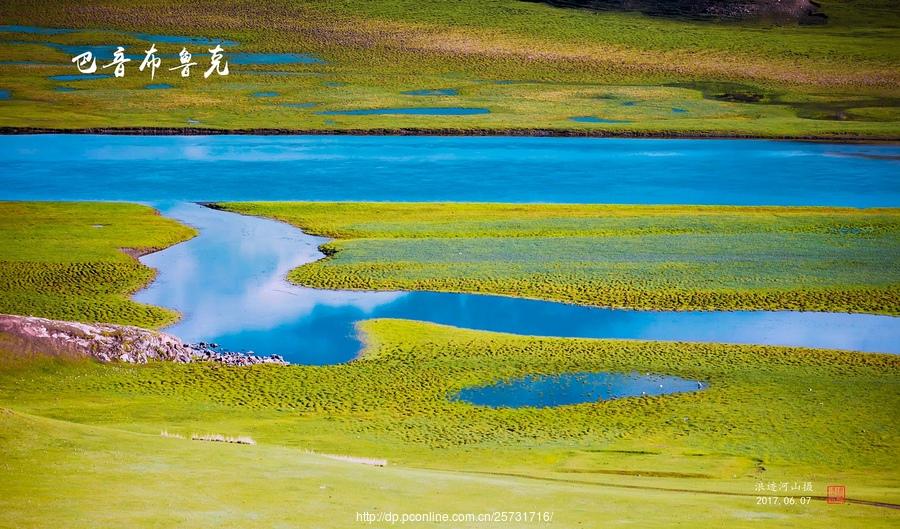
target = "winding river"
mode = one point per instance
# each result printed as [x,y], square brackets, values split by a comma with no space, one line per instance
[229,285]
[229,281]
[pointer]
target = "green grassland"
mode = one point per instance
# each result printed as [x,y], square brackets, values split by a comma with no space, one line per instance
[80,440]
[533,66]
[647,257]
[66,260]
[769,414]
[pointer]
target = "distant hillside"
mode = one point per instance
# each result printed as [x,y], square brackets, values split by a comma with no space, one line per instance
[778,11]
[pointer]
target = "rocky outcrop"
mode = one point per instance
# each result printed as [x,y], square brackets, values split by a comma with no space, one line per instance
[110,343]
[775,11]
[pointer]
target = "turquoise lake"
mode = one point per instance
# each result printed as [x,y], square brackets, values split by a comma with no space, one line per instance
[432,92]
[479,169]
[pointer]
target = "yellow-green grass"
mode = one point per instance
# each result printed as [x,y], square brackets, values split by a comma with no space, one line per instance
[68,473]
[770,414]
[646,257]
[836,81]
[68,261]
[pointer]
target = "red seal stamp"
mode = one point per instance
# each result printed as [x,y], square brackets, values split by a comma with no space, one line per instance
[836,494]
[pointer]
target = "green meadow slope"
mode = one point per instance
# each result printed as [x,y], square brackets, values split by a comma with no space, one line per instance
[531,65]
[763,419]
[646,257]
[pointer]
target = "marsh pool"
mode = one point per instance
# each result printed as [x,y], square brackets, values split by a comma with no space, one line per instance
[543,391]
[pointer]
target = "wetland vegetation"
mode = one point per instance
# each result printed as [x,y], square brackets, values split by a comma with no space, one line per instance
[764,413]
[760,418]
[646,257]
[532,66]
[409,425]
[75,261]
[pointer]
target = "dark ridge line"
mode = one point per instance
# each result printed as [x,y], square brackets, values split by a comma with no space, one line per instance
[517,132]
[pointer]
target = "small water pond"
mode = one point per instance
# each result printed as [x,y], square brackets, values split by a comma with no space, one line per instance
[428,111]
[30,63]
[158,86]
[105,52]
[101,52]
[264,94]
[272,58]
[541,391]
[432,92]
[34,30]
[79,76]
[4,94]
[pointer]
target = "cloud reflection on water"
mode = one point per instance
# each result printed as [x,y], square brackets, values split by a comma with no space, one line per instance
[229,285]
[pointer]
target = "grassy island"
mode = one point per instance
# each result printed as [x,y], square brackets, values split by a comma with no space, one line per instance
[645,257]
